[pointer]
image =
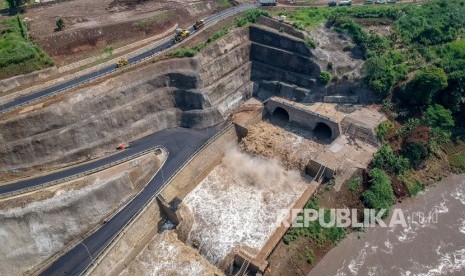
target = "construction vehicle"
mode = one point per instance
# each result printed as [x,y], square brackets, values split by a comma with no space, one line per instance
[181,35]
[122,62]
[345,3]
[268,2]
[199,24]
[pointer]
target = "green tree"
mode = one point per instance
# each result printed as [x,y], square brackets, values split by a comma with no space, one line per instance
[385,159]
[441,122]
[380,75]
[426,83]
[439,117]
[60,24]
[415,153]
[15,5]
[383,129]
[325,77]
[452,96]
[380,194]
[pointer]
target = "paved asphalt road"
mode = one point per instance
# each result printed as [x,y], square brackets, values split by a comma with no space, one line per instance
[181,144]
[165,44]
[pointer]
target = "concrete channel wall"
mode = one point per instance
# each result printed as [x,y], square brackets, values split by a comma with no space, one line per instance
[137,234]
[130,243]
[200,166]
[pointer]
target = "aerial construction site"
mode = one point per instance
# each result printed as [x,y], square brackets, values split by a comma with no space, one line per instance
[182,154]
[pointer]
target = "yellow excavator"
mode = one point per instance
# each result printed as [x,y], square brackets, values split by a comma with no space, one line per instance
[181,35]
[122,62]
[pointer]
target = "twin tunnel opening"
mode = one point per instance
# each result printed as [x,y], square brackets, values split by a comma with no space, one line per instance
[280,117]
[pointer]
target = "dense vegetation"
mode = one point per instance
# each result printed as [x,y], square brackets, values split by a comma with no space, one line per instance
[380,194]
[17,54]
[417,69]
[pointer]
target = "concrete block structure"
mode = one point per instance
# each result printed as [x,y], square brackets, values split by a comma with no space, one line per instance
[303,117]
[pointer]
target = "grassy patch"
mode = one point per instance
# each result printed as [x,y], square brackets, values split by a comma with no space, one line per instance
[182,52]
[355,184]
[224,3]
[250,17]
[3,4]
[414,187]
[17,54]
[456,153]
[153,19]
[315,231]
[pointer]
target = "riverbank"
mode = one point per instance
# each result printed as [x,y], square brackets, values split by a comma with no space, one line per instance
[434,246]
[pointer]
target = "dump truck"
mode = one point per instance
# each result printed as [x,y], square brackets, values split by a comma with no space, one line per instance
[122,62]
[268,2]
[199,24]
[345,3]
[181,35]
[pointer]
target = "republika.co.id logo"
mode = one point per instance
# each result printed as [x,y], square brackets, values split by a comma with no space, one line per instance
[349,218]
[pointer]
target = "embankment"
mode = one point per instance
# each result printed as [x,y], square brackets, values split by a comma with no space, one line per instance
[40,224]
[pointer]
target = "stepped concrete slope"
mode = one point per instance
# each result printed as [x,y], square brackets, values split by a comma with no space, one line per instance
[193,92]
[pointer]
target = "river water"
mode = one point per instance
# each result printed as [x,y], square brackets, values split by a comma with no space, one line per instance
[434,246]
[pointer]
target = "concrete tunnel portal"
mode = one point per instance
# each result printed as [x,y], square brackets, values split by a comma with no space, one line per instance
[280,116]
[282,113]
[322,131]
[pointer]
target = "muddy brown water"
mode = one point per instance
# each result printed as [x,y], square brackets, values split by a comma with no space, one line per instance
[434,246]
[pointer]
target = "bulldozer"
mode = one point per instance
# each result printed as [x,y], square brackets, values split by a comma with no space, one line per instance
[181,35]
[122,62]
[199,24]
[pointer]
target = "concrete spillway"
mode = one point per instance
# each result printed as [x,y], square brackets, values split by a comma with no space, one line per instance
[238,205]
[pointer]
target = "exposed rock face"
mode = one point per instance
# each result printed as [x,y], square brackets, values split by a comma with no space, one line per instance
[191,92]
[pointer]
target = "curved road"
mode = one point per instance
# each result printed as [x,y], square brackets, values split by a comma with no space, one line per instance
[163,45]
[181,144]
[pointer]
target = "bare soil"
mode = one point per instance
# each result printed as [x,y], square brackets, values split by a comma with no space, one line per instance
[92,25]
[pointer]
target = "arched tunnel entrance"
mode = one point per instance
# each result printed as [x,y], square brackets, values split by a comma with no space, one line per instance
[280,116]
[322,131]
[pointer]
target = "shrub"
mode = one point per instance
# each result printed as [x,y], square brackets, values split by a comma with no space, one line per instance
[386,159]
[182,52]
[310,42]
[250,17]
[325,77]
[415,153]
[354,184]
[441,122]
[310,256]
[60,23]
[315,231]
[426,83]
[383,130]
[380,194]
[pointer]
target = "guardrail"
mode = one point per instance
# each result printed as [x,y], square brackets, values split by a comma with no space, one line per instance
[209,20]
[118,236]
[78,175]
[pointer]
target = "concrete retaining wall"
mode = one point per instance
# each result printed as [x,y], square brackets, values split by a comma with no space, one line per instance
[199,167]
[130,243]
[304,118]
[136,236]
